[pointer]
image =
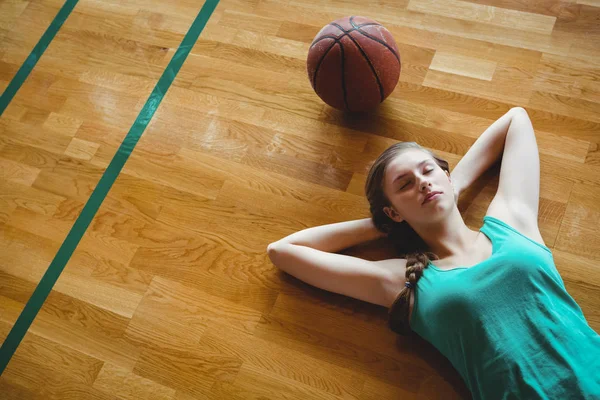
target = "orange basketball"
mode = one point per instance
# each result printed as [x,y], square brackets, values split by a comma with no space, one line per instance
[353,63]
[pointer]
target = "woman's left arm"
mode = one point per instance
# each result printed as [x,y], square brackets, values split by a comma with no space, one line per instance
[519,185]
[512,139]
[486,150]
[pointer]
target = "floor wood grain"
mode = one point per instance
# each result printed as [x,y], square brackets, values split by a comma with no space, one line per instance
[170,294]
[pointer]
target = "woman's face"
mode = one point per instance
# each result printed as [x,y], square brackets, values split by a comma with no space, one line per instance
[408,179]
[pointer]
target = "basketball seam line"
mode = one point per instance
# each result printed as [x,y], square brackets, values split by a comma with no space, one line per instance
[340,37]
[319,65]
[375,39]
[343,76]
[368,61]
[354,27]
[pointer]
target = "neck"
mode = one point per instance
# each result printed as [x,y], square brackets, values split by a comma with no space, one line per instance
[447,237]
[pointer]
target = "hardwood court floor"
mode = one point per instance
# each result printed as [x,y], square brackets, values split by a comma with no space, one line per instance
[170,294]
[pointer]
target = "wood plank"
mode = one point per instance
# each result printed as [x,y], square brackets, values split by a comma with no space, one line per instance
[464,66]
[488,14]
[72,336]
[501,88]
[113,379]
[580,221]
[566,77]
[273,358]
[16,172]
[544,7]
[170,293]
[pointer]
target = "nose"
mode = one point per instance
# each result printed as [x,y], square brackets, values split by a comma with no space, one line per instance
[424,183]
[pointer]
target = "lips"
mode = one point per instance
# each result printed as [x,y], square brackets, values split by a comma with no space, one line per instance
[430,195]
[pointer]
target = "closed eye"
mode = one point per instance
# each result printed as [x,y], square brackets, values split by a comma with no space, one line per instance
[426,172]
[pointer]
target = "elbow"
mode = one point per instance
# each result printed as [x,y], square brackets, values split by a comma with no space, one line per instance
[275,255]
[271,249]
[519,110]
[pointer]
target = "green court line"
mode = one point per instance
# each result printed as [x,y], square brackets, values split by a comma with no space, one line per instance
[35,54]
[84,219]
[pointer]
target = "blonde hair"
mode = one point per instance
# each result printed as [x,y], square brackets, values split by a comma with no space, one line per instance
[410,245]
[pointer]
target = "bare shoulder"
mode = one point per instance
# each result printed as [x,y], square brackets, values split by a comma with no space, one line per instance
[517,217]
[395,278]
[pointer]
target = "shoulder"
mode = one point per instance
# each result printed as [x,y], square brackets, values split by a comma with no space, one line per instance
[517,217]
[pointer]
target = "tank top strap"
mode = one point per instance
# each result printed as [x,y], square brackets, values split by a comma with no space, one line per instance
[501,233]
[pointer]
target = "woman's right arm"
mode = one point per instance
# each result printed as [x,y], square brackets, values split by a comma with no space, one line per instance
[375,282]
[335,237]
[311,256]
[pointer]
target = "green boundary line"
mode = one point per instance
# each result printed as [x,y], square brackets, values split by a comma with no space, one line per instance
[84,219]
[35,54]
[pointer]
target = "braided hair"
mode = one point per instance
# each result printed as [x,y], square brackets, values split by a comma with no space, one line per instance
[409,243]
[399,311]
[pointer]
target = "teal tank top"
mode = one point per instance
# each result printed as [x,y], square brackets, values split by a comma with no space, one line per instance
[508,325]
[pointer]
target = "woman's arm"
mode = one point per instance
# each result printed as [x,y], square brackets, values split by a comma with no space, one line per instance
[486,150]
[335,237]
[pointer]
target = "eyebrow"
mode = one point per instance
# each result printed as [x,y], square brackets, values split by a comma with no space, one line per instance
[418,165]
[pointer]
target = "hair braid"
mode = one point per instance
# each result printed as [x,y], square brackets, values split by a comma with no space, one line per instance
[399,311]
[407,240]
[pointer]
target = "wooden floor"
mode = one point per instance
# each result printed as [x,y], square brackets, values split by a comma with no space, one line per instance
[170,294]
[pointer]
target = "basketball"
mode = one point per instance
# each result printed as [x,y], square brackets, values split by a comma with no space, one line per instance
[353,63]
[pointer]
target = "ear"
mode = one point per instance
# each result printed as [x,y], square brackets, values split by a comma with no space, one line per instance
[394,216]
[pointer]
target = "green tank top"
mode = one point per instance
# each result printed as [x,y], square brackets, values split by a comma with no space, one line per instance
[508,325]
